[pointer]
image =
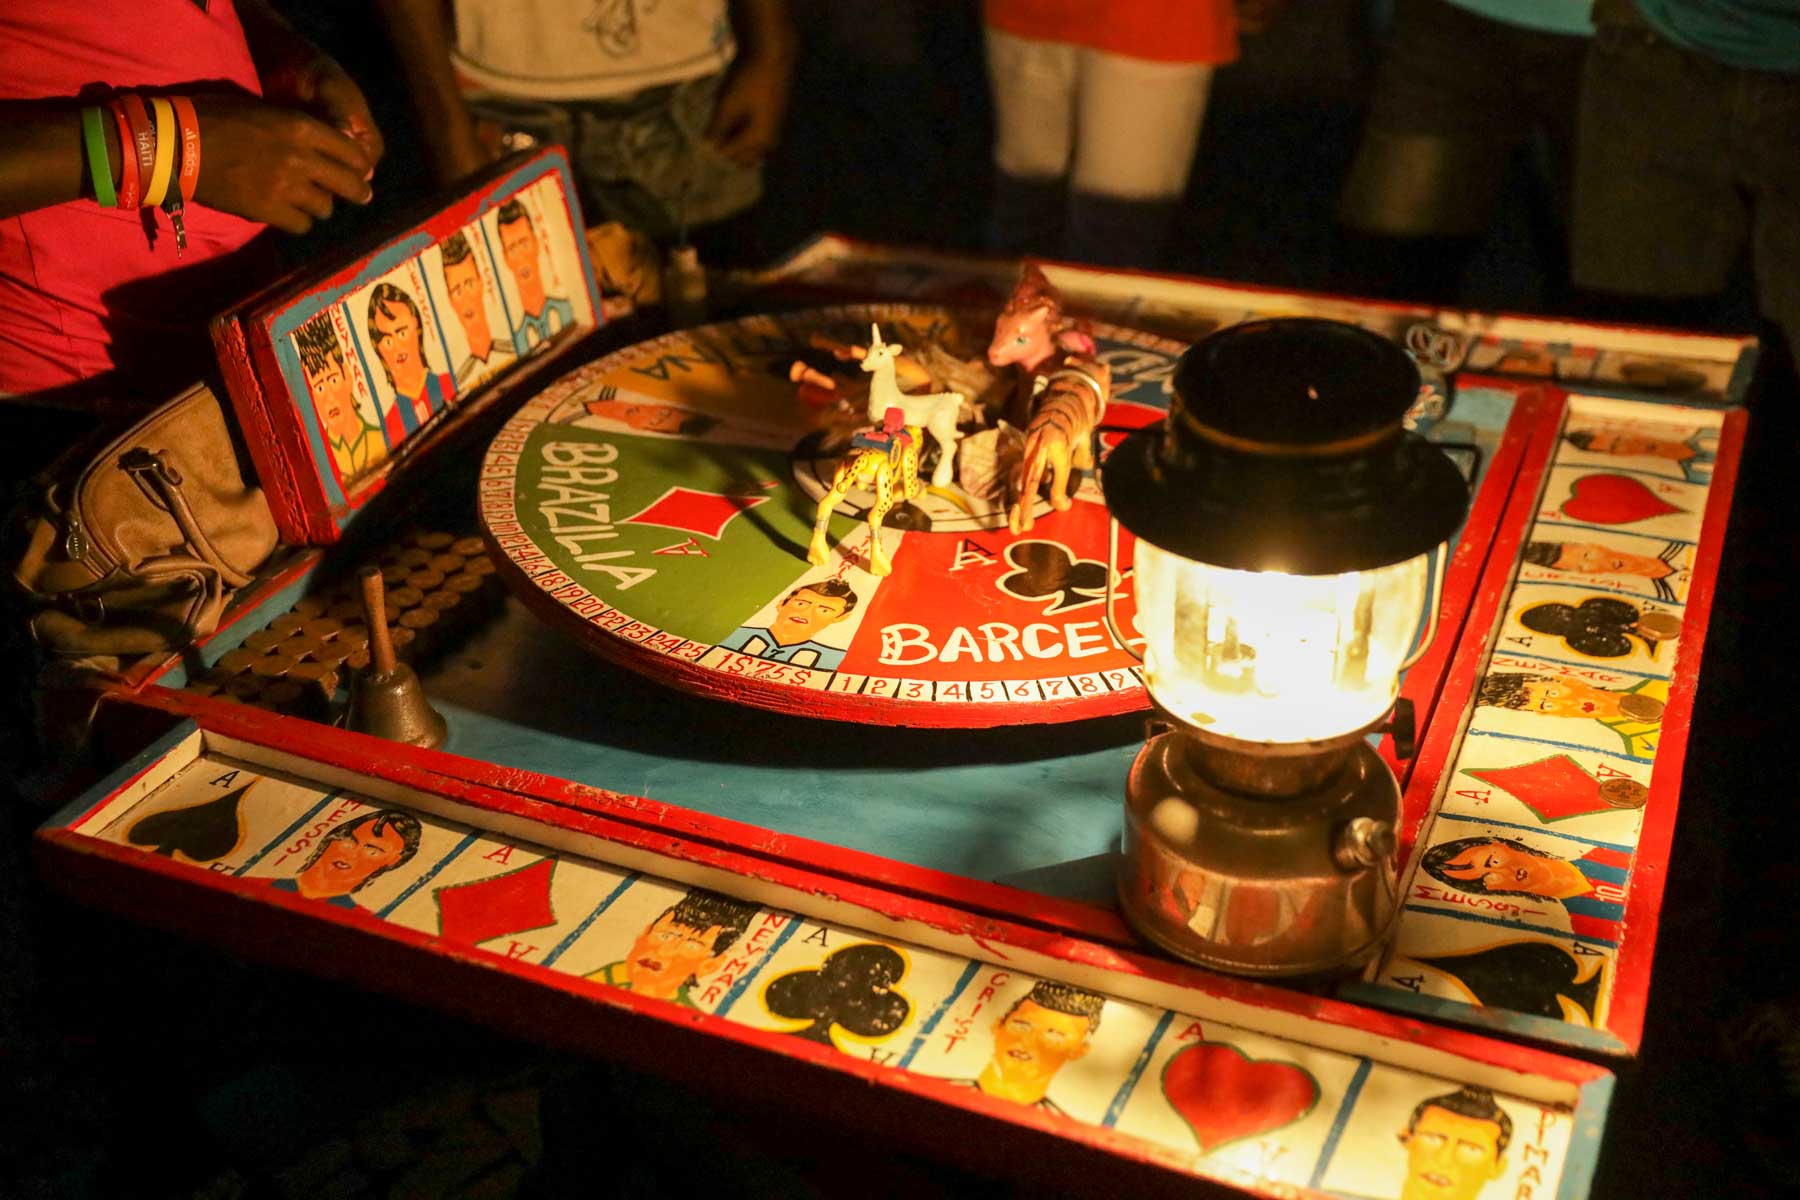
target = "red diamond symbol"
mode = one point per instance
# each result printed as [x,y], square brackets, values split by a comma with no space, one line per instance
[501,904]
[704,513]
[1554,788]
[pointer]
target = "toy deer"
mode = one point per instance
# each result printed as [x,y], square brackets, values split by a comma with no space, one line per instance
[1060,436]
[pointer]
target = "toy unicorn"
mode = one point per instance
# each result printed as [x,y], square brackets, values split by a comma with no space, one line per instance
[1060,436]
[935,412]
[886,460]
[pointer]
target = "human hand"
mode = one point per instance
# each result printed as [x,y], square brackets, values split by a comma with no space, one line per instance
[314,83]
[746,123]
[276,165]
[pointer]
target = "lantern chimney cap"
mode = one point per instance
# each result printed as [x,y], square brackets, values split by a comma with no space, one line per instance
[1285,450]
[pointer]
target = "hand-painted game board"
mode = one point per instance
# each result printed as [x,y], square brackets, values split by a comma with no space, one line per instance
[1524,909]
[640,939]
[657,504]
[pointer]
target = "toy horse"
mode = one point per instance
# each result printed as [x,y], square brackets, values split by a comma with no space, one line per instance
[1060,436]
[935,412]
[879,459]
[1031,331]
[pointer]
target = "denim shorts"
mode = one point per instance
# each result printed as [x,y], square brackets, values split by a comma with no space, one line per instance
[643,160]
[1455,97]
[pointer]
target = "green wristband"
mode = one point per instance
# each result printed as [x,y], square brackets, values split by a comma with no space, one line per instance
[98,160]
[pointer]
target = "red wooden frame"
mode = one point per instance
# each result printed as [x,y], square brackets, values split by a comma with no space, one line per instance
[248,918]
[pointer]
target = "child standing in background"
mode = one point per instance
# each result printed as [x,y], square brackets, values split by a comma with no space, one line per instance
[1097,112]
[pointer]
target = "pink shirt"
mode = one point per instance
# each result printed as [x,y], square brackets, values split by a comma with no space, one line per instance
[85,289]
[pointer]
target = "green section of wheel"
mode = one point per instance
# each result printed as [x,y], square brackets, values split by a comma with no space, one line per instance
[577,494]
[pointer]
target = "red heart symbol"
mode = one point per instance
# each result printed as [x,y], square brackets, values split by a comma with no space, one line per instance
[1613,500]
[1224,1095]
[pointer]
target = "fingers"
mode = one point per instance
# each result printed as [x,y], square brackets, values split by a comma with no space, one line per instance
[312,200]
[349,182]
[333,144]
[345,107]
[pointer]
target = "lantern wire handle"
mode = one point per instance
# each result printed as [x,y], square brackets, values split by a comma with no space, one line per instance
[1437,594]
[1112,578]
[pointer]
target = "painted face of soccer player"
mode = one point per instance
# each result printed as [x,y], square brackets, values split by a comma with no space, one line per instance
[1500,868]
[519,246]
[397,342]
[330,389]
[1571,698]
[653,418]
[1636,445]
[1450,1157]
[463,281]
[1591,558]
[1031,1044]
[666,954]
[349,859]
[803,615]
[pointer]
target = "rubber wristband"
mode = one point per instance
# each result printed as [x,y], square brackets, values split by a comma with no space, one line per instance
[128,167]
[189,121]
[166,139]
[143,141]
[99,162]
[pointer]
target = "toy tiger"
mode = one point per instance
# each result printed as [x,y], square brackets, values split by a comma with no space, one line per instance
[1059,436]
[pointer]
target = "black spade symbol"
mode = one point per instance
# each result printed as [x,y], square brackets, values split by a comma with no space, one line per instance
[202,832]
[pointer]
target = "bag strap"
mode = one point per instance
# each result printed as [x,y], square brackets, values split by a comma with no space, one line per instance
[150,468]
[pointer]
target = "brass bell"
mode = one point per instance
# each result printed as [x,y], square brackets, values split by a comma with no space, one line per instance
[386,697]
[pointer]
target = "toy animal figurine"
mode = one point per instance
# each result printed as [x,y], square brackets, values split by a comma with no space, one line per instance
[1060,436]
[885,459]
[1031,331]
[935,412]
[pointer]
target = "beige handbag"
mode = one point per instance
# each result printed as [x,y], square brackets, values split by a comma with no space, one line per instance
[137,549]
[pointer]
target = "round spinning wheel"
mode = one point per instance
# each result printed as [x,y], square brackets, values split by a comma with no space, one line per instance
[657,504]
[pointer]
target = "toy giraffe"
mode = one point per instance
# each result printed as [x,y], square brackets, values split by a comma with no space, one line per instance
[935,412]
[885,460]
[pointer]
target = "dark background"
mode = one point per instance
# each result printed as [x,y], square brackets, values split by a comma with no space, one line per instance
[136,1064]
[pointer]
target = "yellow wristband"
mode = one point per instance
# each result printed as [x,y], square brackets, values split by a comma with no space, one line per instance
[167,142]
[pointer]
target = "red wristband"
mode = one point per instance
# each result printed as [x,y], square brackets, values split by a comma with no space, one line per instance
[143,137]
[189,124]
[128,161]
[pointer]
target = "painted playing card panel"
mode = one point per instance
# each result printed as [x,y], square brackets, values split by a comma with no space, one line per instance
[1652,362]
[332,370]
[221,816]
[1610,562]
[690,946]
[1518,890]
[1476,960]
[1413,1137]
[1035,1042]
[1527,785]
[1605,499]
[1565,706]
[511,898]
[1572,625]
[1241,1104]
[1249,1109]
[843,988]
[1506,874]
[664,490]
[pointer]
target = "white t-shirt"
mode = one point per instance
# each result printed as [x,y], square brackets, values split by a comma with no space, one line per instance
[589,49]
